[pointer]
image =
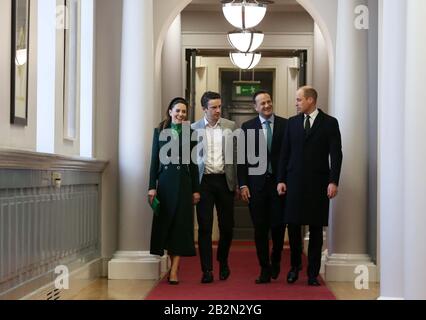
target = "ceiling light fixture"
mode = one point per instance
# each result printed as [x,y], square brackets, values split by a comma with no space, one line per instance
[245,61]
[244,14]
[246,41]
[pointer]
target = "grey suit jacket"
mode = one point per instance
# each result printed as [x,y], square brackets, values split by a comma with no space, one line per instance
[230,155]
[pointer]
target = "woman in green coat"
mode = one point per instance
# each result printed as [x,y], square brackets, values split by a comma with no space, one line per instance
[174,182]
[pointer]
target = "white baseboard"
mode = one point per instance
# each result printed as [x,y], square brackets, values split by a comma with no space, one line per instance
[130,265]
[104,267]
[78,279]
[390,298]
[342,267]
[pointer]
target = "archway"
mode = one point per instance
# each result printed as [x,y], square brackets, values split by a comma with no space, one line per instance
[350,107]
[348,64]
[318,10]
[167,12]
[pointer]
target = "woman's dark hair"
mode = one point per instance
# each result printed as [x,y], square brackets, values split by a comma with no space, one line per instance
[168,120]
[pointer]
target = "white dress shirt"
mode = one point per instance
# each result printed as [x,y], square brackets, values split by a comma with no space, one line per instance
[313,116]
[214,163]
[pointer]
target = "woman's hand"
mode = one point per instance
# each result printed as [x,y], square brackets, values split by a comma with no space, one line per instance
[151,195]
[196,198]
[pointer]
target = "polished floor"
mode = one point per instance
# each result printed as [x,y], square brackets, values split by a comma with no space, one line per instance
[104,289]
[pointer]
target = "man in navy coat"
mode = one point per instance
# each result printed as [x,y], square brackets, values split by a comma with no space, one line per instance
[259,188]
[310,164]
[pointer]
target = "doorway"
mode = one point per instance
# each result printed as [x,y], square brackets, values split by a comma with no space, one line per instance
[279,72]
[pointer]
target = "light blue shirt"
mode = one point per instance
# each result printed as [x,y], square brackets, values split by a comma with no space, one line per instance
[263,120]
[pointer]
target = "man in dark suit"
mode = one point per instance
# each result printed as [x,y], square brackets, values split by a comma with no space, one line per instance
[310,164]
[259,188]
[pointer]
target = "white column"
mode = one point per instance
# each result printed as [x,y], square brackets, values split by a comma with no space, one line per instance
[392,59]
[137,116]
[347,238]
[171,67]
[414,275]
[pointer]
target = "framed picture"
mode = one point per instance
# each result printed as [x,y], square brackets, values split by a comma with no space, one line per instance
[19,63]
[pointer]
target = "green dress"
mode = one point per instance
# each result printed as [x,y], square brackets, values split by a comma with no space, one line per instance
[173,227]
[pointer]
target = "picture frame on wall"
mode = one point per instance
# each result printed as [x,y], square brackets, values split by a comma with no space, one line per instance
[20,61]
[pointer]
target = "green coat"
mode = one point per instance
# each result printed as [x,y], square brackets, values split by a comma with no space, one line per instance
[173,227]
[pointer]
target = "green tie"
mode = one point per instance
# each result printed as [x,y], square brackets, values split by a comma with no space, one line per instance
[269,141]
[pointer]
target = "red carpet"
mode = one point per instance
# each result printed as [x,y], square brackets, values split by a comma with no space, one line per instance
[240,285]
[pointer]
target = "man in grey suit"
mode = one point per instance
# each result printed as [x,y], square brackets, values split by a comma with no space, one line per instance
[218,179]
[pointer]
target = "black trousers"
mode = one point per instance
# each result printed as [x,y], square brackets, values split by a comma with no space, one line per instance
[314,249]
[266,209]
[215,192]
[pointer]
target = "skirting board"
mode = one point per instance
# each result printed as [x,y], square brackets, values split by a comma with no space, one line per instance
[350,267]
[130,265]
[78,279]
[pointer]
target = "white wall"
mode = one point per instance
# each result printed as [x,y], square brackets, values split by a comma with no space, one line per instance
[46,84]
[45,88]
[87,79]
[172,82]
[324,13]
[165,12]
[321,69]
[64,146]
[84,101]
[108,17]
[15,136]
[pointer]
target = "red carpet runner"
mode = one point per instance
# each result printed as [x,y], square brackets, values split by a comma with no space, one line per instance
[240,285]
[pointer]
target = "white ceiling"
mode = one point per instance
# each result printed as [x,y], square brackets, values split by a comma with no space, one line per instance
[215,5]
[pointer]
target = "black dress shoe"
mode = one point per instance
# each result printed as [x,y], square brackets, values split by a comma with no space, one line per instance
[224,271]
[293,275]
[207,277]
[275,270]
[313,282]
[265,276]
